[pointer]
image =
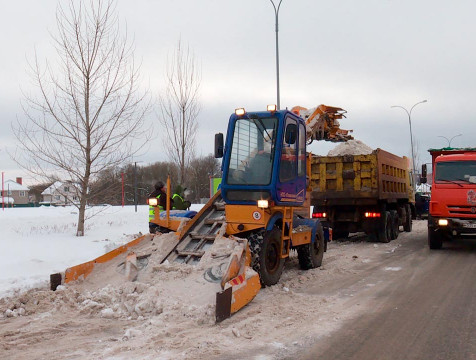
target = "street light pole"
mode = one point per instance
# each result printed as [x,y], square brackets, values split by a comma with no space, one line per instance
[276,13]
[409,113]
[449,140]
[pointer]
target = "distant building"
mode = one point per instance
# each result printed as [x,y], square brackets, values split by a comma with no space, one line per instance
[60,194]
[15,191]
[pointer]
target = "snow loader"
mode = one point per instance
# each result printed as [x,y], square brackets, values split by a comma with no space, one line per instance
[263,206]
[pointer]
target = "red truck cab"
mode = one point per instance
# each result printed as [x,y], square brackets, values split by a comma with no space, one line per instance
[452,209]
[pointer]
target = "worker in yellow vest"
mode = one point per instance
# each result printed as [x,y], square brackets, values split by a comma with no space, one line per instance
[161,195]
[178,202]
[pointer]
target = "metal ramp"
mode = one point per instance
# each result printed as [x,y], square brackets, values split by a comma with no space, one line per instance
[200,234]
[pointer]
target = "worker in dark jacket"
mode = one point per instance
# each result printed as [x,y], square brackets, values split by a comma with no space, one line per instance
[160,193]
[178,201]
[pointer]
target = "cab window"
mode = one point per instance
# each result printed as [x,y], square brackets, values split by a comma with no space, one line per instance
[288,165]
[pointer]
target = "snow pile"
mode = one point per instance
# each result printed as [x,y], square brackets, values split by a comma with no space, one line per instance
[351,147]
[172,289]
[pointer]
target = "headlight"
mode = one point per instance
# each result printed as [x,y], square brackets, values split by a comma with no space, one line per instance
[443,222]
[263,204]
[152,201]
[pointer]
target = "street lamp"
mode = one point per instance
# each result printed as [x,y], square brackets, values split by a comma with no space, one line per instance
[449,140]
[276,13]
[409,113]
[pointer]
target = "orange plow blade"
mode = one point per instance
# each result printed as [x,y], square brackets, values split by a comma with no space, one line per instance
[240,283]
[83,270]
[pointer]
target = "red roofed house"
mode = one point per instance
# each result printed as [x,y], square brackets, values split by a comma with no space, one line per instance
[16,191]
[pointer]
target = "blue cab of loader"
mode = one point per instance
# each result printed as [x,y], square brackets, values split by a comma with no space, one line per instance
[265,186]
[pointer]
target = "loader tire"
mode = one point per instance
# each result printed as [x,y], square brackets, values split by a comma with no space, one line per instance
[310,255]
[265,257]
[407,225]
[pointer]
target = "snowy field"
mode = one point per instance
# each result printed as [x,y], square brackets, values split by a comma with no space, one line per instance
[37,242]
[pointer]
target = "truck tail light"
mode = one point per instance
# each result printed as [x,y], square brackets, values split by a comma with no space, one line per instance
[372,214]
[319,215]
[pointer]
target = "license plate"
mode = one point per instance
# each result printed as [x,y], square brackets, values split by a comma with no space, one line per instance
[469,226]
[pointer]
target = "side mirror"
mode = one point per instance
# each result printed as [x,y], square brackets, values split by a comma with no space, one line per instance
[290,136]
[423,174]
[218,145]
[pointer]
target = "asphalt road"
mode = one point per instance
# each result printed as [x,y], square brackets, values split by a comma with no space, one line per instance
[425,310]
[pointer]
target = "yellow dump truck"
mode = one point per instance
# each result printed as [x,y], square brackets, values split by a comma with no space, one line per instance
[370,193]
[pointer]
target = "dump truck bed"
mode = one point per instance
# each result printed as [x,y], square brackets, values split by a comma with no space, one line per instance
[351,179]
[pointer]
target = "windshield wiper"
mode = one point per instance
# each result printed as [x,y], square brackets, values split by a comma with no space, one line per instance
[254,118]
[452,181]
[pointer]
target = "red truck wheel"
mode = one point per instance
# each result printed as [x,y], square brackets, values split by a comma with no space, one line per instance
[435,240]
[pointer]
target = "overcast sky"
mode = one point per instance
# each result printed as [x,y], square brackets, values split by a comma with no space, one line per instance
[363,56]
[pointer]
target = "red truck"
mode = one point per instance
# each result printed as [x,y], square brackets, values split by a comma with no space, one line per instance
[453,194]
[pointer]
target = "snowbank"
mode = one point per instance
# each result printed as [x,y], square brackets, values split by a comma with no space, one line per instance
[36,242]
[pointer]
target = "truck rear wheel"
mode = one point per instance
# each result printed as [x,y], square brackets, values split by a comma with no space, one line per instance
[310,255]
[435,240]
[265,256]
[407,225]
[385,232]
[394,229]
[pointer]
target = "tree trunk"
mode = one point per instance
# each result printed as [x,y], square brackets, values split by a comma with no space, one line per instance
[82,211]
[182,164]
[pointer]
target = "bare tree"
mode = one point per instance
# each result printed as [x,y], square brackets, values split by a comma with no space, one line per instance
[89,112]
[201,170]
[179,107]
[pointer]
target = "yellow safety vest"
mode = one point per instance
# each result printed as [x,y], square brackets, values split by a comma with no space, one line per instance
[152,209]
[173,199]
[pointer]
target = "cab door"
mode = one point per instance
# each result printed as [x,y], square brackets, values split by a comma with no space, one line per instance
[291,184]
